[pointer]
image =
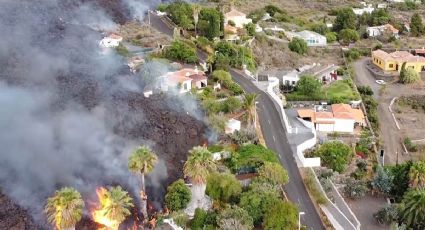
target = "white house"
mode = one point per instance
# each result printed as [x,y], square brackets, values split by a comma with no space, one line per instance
[290,78]
[232,125]
[312,38]
[375,31]
[110,41]
[342,118]
[181,80]
[237,17]
[359,11]
[324,73]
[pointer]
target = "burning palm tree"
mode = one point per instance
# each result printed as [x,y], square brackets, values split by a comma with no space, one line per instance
[64,209]
[115,205]
[198,166]
[142,161]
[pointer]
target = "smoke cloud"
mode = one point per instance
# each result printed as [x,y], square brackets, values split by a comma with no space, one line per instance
[56,92]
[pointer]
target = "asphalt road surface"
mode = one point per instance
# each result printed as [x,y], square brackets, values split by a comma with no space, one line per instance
[276,139]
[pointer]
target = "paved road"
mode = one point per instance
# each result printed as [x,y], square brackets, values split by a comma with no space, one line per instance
[276,139]
[389,134]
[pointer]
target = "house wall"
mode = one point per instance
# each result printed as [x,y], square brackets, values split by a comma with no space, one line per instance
[198,84]
[292,80]
[325,127]
[344,126]
[379,62]
[417,66]
[316,41]
[185,87]
[373,31]
[239,21]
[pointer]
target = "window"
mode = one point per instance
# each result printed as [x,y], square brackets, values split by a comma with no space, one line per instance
[391,66]
[184,86]
[293,82]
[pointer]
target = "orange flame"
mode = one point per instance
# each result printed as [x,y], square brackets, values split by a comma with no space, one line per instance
[99,215]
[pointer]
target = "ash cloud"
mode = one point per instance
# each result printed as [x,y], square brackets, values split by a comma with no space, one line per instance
[56,92]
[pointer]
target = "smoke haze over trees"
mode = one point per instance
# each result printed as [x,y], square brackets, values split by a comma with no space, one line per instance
[62,121]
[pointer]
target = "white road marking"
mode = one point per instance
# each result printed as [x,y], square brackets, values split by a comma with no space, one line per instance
[280,157]
[269,122]
[274,138]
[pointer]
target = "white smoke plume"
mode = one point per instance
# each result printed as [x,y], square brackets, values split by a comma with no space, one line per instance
[51,137]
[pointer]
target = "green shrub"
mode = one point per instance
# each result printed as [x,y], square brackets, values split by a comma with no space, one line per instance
[253,156]
[334,155]
[314,190]
[122,50]
[298,45]
[181,51]
[409,145]
[178,196]
[199,219]
[365,90]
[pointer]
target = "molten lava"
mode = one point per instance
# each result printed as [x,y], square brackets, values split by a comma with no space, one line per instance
[100,215]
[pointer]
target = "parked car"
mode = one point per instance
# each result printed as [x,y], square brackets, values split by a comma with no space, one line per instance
[381,82]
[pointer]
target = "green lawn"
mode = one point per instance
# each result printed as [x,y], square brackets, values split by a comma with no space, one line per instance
[340,89]
[337,92]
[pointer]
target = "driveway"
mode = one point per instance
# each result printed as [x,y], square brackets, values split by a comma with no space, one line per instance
[390,136]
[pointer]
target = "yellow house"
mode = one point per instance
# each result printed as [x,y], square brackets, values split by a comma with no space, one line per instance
[393,61]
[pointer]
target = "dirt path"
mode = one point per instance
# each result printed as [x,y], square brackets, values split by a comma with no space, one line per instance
[390,135]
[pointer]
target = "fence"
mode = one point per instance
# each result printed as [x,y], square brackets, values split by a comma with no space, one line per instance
[337,218]
[304,162]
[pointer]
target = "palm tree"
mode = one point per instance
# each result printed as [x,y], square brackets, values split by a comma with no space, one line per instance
[417,175]
[142,161]
[412,211]
[116,205]
[65,208]
[196,9]
[198,166]
[249,105]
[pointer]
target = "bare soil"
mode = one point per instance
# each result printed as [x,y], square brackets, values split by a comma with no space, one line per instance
[142,35]
[273,54]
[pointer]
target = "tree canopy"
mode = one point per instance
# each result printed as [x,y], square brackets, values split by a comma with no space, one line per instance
[180,13]
[178,195]
[181,51]
[257,202]
[347,36]
[224,187]
[281,216]
[382,180]
[417,175]
[413,209]
[199,165]
[409,75]
[416,26]
[235,218]
[209,23]
[298,45]
[274,173]
[309,86]
[345,19]
[334,155]
[65,208]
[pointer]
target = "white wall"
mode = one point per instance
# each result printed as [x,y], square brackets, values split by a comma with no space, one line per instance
[325,127]
[344,126]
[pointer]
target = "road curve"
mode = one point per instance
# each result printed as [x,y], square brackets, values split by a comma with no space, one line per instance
[275,137]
